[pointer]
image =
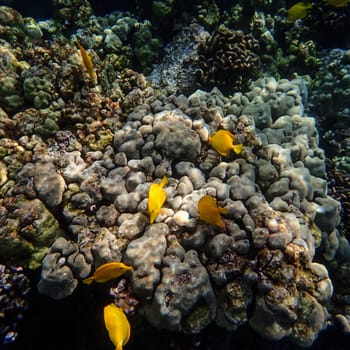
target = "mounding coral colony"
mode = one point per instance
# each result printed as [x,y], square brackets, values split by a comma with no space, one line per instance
[203,209]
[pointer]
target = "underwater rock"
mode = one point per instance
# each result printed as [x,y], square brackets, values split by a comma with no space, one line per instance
[71,14]
[175,71]
[28,231]
[300,180]
[233,301]
[106,246]
[43,178]
[175,139]
[48,184]
[38,87]
[327,214]
[133,228]
[261,113]
[184,287]
[107,215]
[10,17]
[146,273]
[32,28]
[57,279]
[12,25]
[300,316]
[11,97]
[62,267]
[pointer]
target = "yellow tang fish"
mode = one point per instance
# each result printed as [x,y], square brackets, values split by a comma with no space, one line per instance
[337,3]
[88,63]
[117,325]
[222,141]
[210,212]
[107,272]
[156,198]
[298,11]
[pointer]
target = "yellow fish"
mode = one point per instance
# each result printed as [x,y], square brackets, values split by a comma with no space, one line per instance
[298,11]
[88,63]
[337,3]
[117,325]
[107,272]
[156,198]
[222,141]
[210,212]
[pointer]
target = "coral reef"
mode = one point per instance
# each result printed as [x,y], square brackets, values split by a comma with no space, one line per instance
[77,161]
[331,87]
[71,14]
[275,192]
[65,262]
[180,59]
[121,41]
[14,290]
[330,22]
[228,59]
[27,229]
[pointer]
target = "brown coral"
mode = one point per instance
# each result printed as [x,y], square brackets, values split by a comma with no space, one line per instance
[228,59]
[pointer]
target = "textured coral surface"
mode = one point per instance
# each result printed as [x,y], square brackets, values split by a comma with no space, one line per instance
[78,156]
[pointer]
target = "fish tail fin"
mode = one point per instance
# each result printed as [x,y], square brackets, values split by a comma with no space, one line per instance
[220,224]
[223,210]
[163,182]
[119,346]
[88,280]
[237,148]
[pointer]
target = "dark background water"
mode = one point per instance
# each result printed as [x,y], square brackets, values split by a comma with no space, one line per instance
[76,323]
[38,9]
[42,9]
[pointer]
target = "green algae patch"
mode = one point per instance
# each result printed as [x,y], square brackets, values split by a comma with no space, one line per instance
[29,231]
[197,320]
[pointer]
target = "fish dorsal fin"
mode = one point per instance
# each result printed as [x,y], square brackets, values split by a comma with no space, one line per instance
[80,47]
[228,133]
